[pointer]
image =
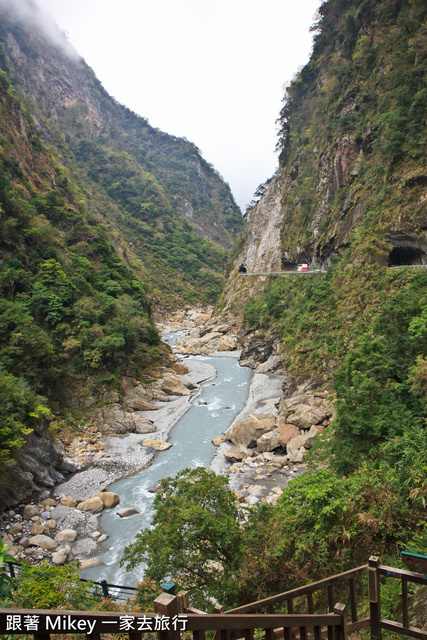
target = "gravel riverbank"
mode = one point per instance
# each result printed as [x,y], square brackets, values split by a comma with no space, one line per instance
[126,454]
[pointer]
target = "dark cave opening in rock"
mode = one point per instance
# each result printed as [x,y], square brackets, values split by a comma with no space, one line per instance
[406,255]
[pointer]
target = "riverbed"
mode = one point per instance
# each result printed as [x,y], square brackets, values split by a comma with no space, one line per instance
[212,411]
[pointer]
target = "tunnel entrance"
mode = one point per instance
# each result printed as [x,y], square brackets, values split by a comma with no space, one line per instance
[406,255]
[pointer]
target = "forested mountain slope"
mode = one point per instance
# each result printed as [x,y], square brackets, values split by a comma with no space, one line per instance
[100,216]
[350,196]
[154,187]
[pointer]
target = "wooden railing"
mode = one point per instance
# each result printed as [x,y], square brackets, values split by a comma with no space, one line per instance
[174,615]
[345,583]
[377,571]
[44,625]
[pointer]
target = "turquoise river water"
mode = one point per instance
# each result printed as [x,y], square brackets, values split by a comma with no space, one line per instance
[225,397]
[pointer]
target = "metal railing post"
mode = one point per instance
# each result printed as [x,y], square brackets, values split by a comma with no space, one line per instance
[104,587]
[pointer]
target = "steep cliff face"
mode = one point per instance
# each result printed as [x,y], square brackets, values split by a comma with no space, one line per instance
[263,250]
[350,197]
[352,146]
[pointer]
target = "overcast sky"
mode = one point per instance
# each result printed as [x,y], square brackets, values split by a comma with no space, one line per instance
[210,70]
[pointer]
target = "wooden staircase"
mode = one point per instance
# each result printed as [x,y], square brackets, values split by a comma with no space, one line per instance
[359,609]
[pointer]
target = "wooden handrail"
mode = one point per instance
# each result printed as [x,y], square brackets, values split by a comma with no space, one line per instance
[42,623]
[174,615]
[410,576]
[403,627]
[300,591]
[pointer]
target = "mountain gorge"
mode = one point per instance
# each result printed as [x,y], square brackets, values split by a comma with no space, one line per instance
[101,216]
[154,187]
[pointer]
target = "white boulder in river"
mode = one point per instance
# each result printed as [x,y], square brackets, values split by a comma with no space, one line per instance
[92,562]
[124,513]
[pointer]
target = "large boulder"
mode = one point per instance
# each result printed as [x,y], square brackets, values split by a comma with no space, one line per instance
[208,337]
[60,557]
[118,421]
[29,511]
[305,416]
[109,498]
[37,529]
[295,444]
[159,445]
[173,386]
[67,501]
[296,455]
[140,405]
[290,404]
[286,432]
[247,431]
[66,535]
[237,453]
[306,409]
[43,541]
[310,436]
[180,368]
[92,562]
[227,343]
[49,502]
[92,505]
[143,425]
[15,529]
[136,392]
[268,441]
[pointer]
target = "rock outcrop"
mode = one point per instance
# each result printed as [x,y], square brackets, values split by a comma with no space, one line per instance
[301,418]
[40,466]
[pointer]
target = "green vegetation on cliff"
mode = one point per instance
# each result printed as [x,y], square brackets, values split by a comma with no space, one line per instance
[353,155]
[364,330]
[72,313]
[353,135]
[100,215]
[165,206]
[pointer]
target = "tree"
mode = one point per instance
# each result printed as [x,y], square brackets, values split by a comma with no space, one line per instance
[196,538]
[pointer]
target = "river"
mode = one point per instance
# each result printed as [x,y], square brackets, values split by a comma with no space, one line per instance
[210,414]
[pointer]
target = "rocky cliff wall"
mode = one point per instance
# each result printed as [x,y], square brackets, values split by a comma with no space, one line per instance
[262,251]
[40,466]
[352,147]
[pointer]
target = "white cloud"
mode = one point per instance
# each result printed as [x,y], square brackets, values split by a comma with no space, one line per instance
[28,12]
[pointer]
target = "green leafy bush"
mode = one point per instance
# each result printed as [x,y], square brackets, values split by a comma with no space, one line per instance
[45,586]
